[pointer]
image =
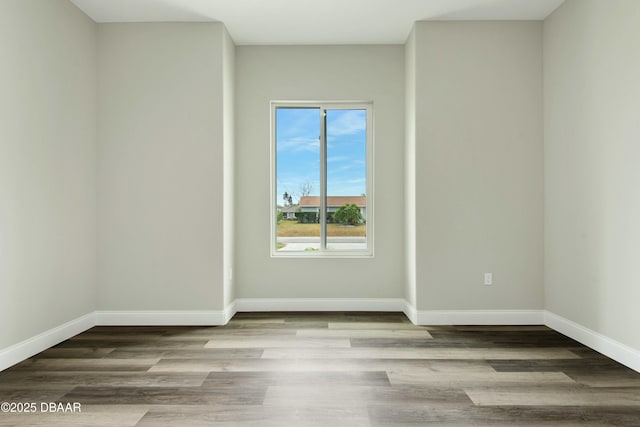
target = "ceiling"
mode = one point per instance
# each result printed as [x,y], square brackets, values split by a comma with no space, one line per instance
[315,21]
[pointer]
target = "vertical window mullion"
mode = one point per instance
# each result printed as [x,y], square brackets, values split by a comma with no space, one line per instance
[323,180]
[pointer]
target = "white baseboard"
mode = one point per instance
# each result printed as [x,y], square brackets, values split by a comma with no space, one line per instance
[23,350]
[162,317]
[479,317]
[229,311]
[418,317]
[410,311]
[619,352]
[319,304]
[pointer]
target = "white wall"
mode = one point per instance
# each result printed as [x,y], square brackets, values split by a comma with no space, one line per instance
[478,151]
[47,167]
[228,123]
[146,117]
[592,134]
[410,170]
[268,73]
[161,166]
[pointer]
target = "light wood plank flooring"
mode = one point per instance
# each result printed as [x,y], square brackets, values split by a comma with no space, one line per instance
[323,369]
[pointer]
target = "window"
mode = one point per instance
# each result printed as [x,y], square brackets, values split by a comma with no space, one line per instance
[322,156]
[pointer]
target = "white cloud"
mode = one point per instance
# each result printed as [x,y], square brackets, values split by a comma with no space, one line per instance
[333,159]
[348,122]
[298,144]
[356,181]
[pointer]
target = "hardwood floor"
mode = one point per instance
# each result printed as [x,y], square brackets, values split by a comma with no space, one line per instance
[323,369]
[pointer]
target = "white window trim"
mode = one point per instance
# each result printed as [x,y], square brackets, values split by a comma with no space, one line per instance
[324,105]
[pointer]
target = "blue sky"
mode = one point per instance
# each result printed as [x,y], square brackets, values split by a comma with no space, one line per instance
[298,151]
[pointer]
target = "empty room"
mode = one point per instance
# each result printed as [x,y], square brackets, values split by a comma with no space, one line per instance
[312,213]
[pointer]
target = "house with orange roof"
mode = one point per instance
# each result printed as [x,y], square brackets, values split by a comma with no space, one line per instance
[312,203]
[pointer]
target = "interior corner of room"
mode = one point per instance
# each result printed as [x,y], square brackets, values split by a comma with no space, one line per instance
[134,174]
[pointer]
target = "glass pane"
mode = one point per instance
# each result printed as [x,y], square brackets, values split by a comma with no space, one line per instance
[346,179]
[298,179]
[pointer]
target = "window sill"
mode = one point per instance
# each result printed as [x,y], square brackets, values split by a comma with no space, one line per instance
[324,254]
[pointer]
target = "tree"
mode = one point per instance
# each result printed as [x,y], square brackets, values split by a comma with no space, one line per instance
[349,214]
[288,200]
[306,189]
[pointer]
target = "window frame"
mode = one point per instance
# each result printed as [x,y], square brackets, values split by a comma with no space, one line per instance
[324,252]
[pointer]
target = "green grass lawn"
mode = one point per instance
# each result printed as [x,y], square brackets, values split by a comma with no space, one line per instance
[294,229]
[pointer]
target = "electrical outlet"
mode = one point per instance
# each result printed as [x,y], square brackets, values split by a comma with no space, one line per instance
[488,279]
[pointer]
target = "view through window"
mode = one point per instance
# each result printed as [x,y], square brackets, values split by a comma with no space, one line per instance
[322,191]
